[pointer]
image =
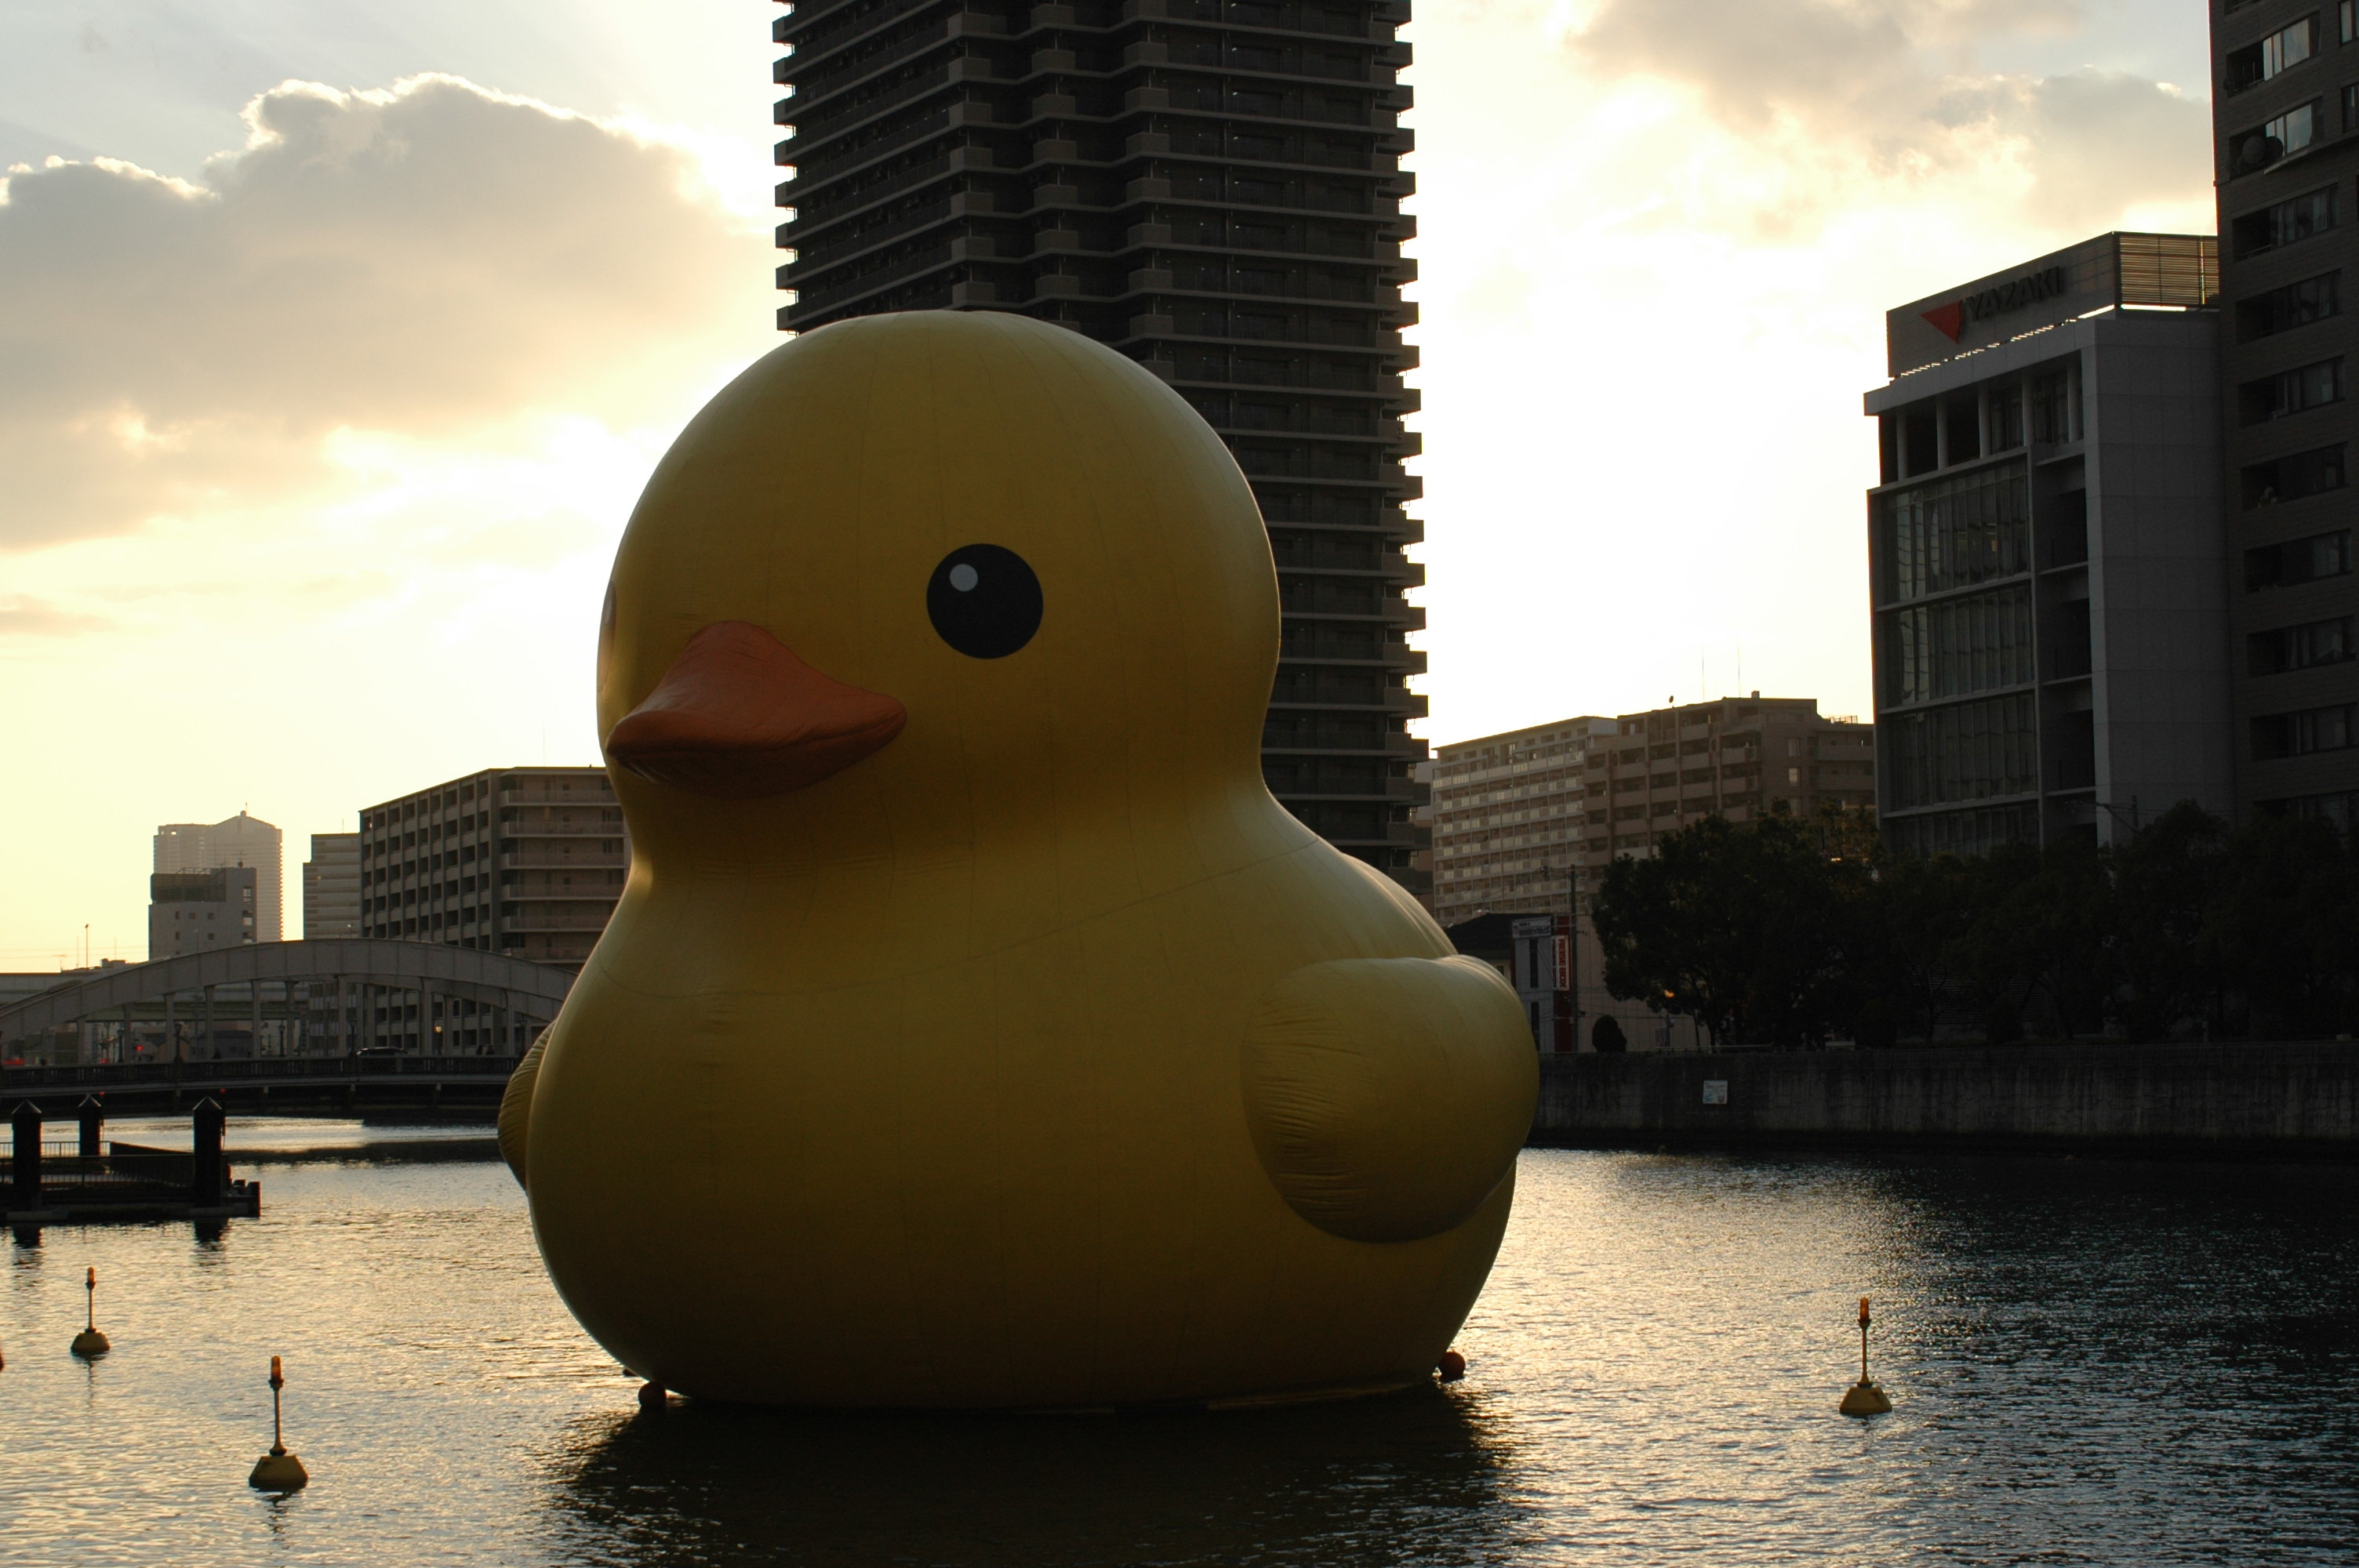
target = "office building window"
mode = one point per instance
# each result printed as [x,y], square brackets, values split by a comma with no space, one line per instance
[2347,16]
[2298,561]
[2293,304]
[2053,410]
[2288,134]
[2342,807]
[2300,733]
[2290,392]
[2299,647]
[2288,222]
[2287,46]
[2292,477]
[1958,646]
[1955,532]
[2007,416]
[1969,752]
[2351,106]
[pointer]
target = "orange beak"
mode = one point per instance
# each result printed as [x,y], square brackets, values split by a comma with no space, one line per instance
[739,716]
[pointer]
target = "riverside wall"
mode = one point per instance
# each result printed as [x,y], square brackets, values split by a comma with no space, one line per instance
[2293,1100]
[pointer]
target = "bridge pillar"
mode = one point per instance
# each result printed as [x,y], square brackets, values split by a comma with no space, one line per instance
[213,1045]
[205,1182]
[25,1188]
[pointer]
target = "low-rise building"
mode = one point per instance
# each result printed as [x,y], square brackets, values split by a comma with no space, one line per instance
[525,861]
[191,912]
[332,887]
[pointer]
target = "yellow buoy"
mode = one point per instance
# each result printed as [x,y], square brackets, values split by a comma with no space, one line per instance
[90,1344]
[277,1470]
[1864,1398]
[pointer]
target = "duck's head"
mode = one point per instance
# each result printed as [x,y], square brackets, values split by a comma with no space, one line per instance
[918,579]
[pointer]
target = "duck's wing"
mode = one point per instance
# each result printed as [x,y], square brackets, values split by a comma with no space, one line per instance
[1388,1097]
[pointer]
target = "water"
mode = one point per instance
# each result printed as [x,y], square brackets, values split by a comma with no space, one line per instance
[2093,1362]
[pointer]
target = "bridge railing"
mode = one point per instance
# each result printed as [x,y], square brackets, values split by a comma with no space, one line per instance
[126,1075]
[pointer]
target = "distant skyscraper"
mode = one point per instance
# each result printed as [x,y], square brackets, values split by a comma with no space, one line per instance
[182,847]
[1213,188]
[332,887]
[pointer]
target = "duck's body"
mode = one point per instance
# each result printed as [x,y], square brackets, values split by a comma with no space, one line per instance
[1034,1056]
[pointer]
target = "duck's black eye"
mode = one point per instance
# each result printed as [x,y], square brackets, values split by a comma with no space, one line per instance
[984,601]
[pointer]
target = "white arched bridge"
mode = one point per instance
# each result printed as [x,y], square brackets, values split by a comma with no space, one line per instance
[342,1023]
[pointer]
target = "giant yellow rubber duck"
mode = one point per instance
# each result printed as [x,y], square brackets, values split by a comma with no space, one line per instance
[975,1030]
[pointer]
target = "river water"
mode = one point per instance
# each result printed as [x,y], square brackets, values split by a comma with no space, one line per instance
[2092,1361]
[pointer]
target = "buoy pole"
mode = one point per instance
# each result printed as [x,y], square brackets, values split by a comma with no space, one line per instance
[1864,1398]
[90,1344]
[277,1470]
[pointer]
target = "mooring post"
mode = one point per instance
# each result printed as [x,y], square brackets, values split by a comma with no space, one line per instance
[205,1180]
[26,1189]
[93,1118]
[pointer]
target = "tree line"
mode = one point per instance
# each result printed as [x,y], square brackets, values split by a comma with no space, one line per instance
[1791,931]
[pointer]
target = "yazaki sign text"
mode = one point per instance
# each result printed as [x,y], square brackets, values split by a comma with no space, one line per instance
[1992,309]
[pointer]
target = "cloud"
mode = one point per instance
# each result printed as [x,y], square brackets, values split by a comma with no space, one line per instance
[434,260]
[22,617]
[1842,94]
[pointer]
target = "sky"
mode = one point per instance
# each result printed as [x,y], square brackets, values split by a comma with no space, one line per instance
[337,339]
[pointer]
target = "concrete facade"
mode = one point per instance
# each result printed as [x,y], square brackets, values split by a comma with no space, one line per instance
[528,862]
[2048,561]
[2196,1098]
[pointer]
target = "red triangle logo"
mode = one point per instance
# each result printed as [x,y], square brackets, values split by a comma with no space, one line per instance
[1948,319]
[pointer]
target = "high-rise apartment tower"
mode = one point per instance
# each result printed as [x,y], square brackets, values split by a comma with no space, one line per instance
[2284,112]
[1213,188]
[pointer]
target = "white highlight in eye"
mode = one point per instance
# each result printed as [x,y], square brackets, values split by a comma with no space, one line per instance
[963,577]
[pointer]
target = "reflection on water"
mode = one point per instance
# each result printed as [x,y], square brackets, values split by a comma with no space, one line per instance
[2094,1362]
[1409,1478]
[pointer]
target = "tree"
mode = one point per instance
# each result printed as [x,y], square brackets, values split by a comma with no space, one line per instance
[2166,878]
[1605,1037]
[2283,929]
[1748,929]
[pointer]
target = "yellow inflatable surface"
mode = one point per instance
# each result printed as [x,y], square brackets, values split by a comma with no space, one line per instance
[975,1029]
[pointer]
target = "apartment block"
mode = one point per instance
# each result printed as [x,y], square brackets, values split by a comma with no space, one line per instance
[2047,558]
[2286,144]
[525,861]
[1507,819]
[1737,757]
[1212,187]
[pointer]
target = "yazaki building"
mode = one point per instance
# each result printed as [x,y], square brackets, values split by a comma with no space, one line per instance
[2048,550]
